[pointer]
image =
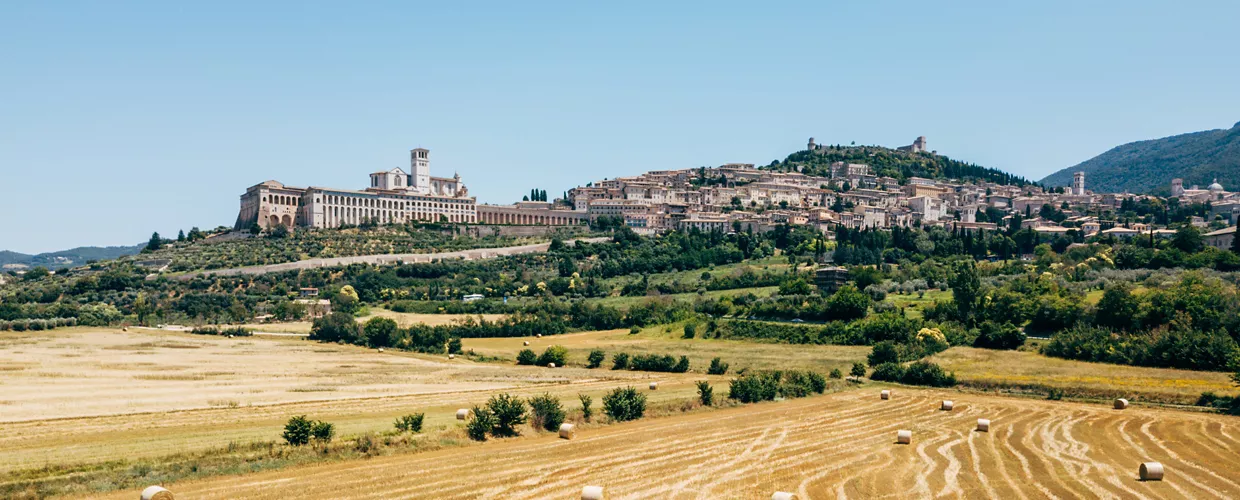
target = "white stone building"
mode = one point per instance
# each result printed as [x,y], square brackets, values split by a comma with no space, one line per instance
[394,196]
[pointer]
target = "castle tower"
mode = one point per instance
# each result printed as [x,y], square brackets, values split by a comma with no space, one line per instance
[1177,188]
[919,145]
[1078,184]
[811,146]
[420,170]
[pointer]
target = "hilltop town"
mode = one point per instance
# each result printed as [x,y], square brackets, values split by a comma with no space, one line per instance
[743,197]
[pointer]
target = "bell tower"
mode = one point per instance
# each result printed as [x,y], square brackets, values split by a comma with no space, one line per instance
[420,170]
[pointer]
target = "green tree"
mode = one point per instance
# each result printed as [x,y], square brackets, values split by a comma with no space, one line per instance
[858,370]
[509,412]
[1188,239]
[595,359]
[410,423]
[336,327]
[322,431]
[557,354]
[526,357]
[297,430]
[624,403]
[481,421]
[847,303]
[706,393]
[586,411]
[1118,308]
[547,412]
[380,332]
[966,289]
[155,243]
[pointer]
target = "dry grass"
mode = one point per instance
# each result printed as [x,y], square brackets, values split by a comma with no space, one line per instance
[1023,370]
[840,445]
[665,339]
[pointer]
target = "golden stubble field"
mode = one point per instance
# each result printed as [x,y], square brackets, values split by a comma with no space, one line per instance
[836,446]
[82,396]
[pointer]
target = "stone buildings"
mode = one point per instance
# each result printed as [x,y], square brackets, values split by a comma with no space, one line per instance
[733,196]
[393,196]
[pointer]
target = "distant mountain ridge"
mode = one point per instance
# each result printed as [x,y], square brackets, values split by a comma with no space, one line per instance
[67,258]
[1149,166]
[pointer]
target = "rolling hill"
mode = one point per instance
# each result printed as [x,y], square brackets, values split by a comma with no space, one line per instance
[1149,166]
[67,258]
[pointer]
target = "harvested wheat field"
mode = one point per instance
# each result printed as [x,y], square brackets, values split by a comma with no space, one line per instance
[835,446]
[82,372]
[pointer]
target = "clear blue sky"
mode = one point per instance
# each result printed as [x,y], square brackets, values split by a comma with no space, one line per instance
[122,118]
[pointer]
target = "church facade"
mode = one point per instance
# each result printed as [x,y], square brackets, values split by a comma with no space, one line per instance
[393,196]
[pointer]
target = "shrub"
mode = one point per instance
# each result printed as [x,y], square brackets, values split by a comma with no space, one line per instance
[706,393]
[682,365]
[323,431]
[882,353]
[999,336]
[595,359]
[336,327]
[526,357]
[624,403]
[454,345]
[298,430]
[858,370]
[657,363]
[557,354]
[634,330]
[836,373]
[754,387]
[410,423]
[481,423]
[928,374]
[717,367]
[509,412]
[690,331]
[619,361]
[546,412]
[586,411]
[890,372]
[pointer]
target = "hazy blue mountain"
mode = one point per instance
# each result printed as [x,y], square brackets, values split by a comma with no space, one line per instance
[1149,166]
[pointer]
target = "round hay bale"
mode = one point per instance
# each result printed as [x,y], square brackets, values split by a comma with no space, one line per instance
[904,436]
[451,356]
[983,425]
[783,495]
[124,328]
[1151,471]
[380,349]
[886,394]
[947,405]
[538,335]
[568,431]
[1121,404]
[592,493]
[156,493]
[550,365]
[526,343]
[462,414]
[654,386]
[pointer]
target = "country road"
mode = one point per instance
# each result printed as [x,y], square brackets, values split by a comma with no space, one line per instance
[383,260]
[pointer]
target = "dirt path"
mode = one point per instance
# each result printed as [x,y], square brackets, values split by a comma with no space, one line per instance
[382,260]
[840,445]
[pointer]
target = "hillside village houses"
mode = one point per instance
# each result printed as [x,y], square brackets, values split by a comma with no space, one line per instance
[724,198]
